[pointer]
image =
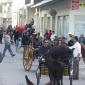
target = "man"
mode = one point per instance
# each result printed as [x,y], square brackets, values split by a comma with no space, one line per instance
[82,39]
[70,41]
[77,55]
[53,35]
[45,48]
[7,41]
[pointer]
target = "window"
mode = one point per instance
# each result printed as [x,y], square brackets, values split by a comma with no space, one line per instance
[27,2]
[5,7]
[9,7]
[37,1]
[60,26]
[62,29]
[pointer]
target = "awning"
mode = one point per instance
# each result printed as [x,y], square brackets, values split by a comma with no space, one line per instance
[41,3]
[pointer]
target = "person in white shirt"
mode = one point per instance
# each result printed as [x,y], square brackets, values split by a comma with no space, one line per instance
[53,36]
[77,55]
[7,41]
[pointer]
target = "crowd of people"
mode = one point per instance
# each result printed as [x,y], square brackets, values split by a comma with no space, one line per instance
[45,43]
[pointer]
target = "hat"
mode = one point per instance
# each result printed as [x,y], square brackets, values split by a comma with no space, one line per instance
[70,33]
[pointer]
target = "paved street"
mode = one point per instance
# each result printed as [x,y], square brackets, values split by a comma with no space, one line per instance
[13,73]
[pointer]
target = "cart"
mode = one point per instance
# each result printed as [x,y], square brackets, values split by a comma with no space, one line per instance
[43,70]
[27,57]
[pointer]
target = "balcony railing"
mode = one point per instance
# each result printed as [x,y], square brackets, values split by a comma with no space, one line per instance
[35,2]
[41,2]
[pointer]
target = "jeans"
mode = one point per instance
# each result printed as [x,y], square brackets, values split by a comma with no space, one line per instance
[75,69]
[7,47]
[18,42]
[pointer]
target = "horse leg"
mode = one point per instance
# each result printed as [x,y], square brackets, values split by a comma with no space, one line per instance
[57,82]
[62,81]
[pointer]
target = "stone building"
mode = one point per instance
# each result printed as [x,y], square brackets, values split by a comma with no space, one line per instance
[62,16]
[5,12]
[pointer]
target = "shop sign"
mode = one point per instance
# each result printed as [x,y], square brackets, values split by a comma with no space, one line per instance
[74,4]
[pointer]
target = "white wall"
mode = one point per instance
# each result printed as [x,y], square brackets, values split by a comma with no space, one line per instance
[62,8]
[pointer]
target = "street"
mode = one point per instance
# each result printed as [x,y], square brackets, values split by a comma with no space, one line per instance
[12,71]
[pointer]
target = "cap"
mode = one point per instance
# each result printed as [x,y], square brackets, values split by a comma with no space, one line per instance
[70,33]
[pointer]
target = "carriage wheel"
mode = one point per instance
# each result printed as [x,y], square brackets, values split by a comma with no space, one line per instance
[27,58]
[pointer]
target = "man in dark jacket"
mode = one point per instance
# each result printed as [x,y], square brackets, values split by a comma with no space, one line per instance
[82,39]
[45,48]
[70,42]
[26,38]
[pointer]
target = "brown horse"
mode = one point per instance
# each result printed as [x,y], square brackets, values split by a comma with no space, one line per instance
[28,81]
[57,56]
[83,52]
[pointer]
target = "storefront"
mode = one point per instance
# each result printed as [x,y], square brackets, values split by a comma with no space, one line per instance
[79,19]
[54,16]
[69,16]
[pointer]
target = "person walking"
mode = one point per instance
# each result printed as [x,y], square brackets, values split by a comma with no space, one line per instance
[7,41]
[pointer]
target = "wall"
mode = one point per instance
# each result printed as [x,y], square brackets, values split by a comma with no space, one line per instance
[78,21]
[62,8]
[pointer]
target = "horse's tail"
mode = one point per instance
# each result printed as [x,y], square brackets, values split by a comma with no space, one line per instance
[28,81]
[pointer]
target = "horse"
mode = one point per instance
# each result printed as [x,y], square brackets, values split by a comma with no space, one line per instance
[55,60]
[83,52]
[29,82]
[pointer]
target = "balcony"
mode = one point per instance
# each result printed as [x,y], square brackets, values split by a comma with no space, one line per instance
[35,3]
[6,1]
[7,15]
[40,2]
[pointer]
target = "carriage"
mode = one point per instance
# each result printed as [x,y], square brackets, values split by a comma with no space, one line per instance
[43,69]
[30,53]
[27,57]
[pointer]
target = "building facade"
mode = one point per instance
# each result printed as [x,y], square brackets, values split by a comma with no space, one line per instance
[61,16]
[5,12]
[30,12]
[18,12]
